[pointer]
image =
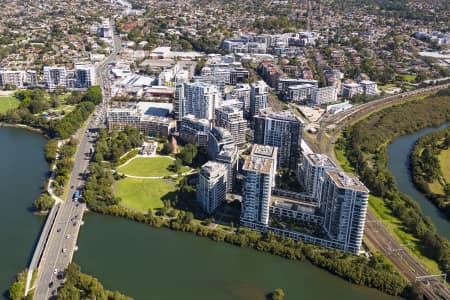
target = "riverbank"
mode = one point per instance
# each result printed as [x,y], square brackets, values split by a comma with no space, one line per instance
[23,126]
[375,273]
[365,147]
[430,173]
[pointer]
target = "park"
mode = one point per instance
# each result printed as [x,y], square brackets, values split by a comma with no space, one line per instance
[147,182]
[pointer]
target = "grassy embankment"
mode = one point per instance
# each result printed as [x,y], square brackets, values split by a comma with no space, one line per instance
[393,225]
[365,147]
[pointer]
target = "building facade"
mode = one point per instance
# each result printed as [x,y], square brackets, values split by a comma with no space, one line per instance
[84,76]
[195,131]
[232,118]
[259,97]
[259,178]
[283,130]
[55,77]
[344,203]
[311,172]
[201,99]
[212,186]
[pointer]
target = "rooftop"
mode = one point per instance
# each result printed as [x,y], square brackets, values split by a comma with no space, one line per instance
[258,164]
[321,160]
[347,181]
[264,151]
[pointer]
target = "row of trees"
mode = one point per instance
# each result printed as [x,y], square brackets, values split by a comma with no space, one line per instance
[82,286]
[374,272]
[425,167]
[365,148]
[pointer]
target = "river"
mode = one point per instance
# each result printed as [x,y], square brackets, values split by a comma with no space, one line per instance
[144,262]
[149,263]
[398,165]
[22,173]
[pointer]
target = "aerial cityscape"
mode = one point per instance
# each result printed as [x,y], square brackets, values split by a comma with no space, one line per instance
[225,149]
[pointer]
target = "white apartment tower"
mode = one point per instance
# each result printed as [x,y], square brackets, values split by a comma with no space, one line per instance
[212,186]
[311,172]
[344,202]
[55,77]
[201,99]
[259,96]
[232,118]
[259,177]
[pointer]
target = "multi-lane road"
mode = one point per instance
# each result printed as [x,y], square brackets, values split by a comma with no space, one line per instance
[59,240]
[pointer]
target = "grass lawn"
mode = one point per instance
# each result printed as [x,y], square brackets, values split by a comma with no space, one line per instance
[149,166]
[436,187]
[7,103]
[386,86]
[444,161]
[409,78]
[142,194]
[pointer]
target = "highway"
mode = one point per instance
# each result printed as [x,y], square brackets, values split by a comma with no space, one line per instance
[375,232]
[59,241]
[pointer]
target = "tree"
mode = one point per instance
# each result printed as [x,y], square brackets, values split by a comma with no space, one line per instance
[277,294]
[16,291]
[44,202]
[167,148]
[93,94]
[188,153]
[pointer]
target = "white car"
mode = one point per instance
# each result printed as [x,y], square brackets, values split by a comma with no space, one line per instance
[55,272]
[68,236]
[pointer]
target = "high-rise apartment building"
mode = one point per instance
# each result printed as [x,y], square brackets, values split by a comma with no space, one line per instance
[259,97]
[280,129]
[228,155]
[218,137]
[84,76]
[311,172]
[194,130]
[201,99]
[232,118]
[344,202]
[259,177]
[242,93]
[55,77]
[212,186]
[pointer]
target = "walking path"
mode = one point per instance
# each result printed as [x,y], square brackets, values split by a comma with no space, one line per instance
[190,172]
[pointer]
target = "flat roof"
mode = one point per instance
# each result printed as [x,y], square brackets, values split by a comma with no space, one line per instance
[258,164]
[347,181]
[264,151]
[155,108]
[321,160]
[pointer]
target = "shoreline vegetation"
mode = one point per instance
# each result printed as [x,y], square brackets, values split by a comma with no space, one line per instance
[365,147]
[427,171]
[180,212]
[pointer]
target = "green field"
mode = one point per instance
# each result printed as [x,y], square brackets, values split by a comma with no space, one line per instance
[149,167]
[409,78]
[142,194]
[7,103]
[444,161]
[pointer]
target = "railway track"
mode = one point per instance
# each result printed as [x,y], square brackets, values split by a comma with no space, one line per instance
[375,232]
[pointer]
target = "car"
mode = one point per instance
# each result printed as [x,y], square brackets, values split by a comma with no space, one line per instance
[55,271]
[68,236]
[63,250]
[50,284]
[59,229]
